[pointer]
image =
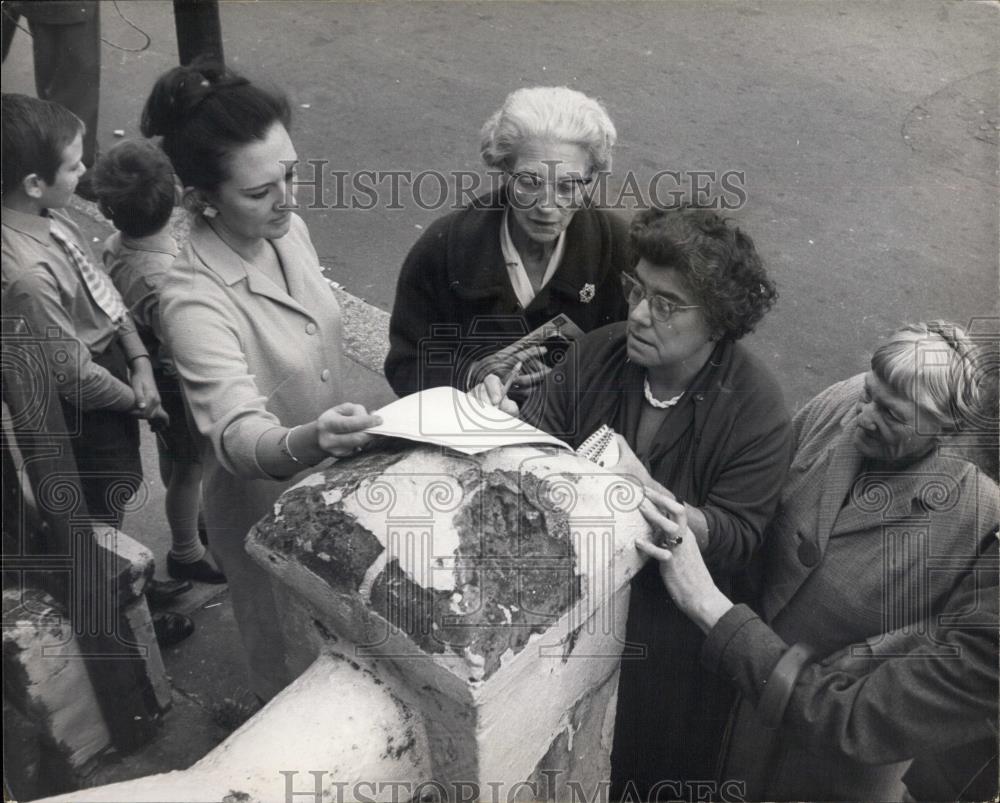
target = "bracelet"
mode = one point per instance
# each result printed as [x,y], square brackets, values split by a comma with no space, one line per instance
[286,448]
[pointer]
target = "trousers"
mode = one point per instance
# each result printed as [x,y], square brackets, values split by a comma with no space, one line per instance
[66,42]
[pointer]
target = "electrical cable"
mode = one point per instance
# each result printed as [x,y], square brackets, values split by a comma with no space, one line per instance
[125,19]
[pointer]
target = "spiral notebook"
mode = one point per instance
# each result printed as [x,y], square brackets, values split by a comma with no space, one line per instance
[601,447]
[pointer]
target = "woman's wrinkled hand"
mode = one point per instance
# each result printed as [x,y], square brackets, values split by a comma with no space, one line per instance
[491,391]
[340,430]
[682,567]
[533,368]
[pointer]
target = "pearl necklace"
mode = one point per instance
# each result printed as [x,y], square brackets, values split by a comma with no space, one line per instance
[659,405]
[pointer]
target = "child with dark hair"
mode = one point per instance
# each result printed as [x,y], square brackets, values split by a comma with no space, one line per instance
[135,188]
[49,282]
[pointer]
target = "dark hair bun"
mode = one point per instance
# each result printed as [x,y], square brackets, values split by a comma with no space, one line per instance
[204,113]
[179,92]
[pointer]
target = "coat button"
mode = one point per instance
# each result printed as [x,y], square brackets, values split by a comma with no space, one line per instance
[325,376]
[310,328]
[808,553]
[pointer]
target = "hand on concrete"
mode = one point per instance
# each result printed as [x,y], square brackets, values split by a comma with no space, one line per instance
[340,430]
[682,567]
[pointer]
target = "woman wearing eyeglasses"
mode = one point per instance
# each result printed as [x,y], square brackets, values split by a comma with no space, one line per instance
[698,414]
[480,278]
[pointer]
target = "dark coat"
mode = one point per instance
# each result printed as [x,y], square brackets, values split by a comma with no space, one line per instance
[455,304]
[850,558]
[725,449]
[927,693]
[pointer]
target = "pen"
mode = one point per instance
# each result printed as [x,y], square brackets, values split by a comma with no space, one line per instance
[511,377]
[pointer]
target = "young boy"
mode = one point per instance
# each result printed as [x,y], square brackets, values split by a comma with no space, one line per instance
[135,189]
[49,280]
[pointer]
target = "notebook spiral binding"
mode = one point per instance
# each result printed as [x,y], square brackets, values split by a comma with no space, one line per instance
[601,447]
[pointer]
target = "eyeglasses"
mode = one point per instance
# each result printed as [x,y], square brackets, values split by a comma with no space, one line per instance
[660,306]
[528,189]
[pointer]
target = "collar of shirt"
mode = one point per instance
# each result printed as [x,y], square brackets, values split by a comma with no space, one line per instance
[161,242]
[515,267]
[37,227]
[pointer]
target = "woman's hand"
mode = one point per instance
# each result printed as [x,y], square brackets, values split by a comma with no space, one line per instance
[629,465]
[340,430]
[533,368]
[491,391]
[682,568]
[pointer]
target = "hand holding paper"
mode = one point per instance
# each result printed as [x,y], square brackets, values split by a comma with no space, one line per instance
[341,430]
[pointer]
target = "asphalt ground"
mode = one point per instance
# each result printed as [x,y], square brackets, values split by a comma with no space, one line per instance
[865,133]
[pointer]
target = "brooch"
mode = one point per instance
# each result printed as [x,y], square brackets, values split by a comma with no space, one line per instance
[587,293]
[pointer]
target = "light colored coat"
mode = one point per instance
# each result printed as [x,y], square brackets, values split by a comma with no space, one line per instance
[850,556]
[251,358]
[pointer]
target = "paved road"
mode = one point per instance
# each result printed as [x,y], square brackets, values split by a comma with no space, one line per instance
[867,132]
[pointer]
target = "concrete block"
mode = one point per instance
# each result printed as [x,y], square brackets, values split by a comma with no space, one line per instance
[46,680]
[326,737]
[491,591]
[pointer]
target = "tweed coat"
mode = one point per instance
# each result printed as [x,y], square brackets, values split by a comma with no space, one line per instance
[850,557]
[251,358]
[454,292]
[927,692]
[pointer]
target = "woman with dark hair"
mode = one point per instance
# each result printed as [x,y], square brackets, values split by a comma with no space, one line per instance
[696,413]
[253,326]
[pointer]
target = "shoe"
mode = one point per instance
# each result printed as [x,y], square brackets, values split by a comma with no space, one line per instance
[160,592]
[201,571]
[171,628]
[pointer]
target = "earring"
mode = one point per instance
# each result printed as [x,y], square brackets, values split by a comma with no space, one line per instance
[209,211]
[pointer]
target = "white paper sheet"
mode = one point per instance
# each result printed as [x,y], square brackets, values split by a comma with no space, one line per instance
[450,417]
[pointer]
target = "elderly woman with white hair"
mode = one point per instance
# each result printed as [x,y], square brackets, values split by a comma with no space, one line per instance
[878,540]
[480,278]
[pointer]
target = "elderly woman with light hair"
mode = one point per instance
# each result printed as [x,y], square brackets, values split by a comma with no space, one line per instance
[882,548]
[481,277]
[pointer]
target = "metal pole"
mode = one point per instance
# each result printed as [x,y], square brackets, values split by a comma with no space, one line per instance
[199,30]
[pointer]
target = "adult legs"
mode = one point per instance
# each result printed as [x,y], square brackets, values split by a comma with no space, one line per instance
[68,68]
